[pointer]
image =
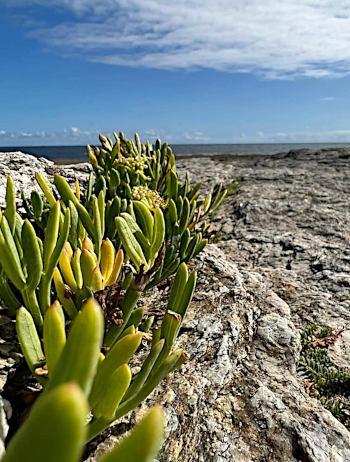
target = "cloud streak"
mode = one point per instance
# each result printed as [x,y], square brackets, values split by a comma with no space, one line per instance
[76,136]
[72,135]
[279,40]
[327,136]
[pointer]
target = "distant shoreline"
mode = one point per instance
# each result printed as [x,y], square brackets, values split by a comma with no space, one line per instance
[65,155]
[219,157]
[77,154]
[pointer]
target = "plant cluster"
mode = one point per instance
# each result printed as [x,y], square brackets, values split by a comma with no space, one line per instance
[72,271]
[322,378]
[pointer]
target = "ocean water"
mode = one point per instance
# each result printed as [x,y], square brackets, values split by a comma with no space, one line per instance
[79,154]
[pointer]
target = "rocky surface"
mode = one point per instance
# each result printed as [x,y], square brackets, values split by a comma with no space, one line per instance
[22,168]
[283,262]
[290,222]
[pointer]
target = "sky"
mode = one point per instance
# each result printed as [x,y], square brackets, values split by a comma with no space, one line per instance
[188,71]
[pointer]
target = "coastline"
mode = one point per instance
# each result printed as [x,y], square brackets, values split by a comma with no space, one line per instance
[219,157]
[233,156]
[78,153]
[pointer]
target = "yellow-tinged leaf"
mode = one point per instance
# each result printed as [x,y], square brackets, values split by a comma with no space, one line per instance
[87,244]
[66,301]
[96,281]
[107,258]
[68,249]
[55,429]
[66,270]
[75,262]
[88,264]
[54,335]
[118,262]
[77,189]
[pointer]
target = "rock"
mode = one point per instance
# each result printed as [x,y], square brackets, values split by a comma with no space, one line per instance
[5,415]
[291,224]
[339,352]
[22,168]
[284,262]
[238,397]
[9,360]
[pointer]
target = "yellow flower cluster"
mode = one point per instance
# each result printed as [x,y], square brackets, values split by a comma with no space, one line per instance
[134,164]
[149,197]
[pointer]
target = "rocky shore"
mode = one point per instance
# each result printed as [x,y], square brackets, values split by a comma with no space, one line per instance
[280,261]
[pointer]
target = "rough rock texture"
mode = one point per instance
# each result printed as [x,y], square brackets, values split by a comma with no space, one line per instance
[9,358]
[290,221]
[284,261]
[22,168]
[239,398]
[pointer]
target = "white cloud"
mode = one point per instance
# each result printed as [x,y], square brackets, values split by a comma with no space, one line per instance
[276,39]
[195,136]
[328,98]
[151,134]
[72,135]
[329,136]
[76,136]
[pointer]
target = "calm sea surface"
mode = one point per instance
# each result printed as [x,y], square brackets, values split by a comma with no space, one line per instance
[78,153]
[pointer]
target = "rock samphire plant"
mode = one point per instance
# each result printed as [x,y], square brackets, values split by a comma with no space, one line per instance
[72,271]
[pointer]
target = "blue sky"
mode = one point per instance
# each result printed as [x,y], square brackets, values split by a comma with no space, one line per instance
[189,71]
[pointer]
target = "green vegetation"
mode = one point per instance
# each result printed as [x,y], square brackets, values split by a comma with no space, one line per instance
[233,187]
[72,271]
[323,379]
[55,431]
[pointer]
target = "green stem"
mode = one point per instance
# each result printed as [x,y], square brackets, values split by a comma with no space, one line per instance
[8,297]
[96,426]
[127,305]
[44,293]
[31,302]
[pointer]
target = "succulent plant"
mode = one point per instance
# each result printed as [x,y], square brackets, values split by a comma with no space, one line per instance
[140,174]
[27,263]
[105,378]
[56,431]
[73,272]
[131,186]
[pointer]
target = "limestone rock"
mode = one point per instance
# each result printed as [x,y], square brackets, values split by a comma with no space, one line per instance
[22,168]
[9,360]
[238,397]
[339,352]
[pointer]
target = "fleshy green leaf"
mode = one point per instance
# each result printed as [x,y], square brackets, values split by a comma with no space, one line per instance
[143,443]
[54,430]
[54,335]
[28,338]
[79,357]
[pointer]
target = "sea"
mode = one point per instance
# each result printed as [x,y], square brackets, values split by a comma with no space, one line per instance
[63,154]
